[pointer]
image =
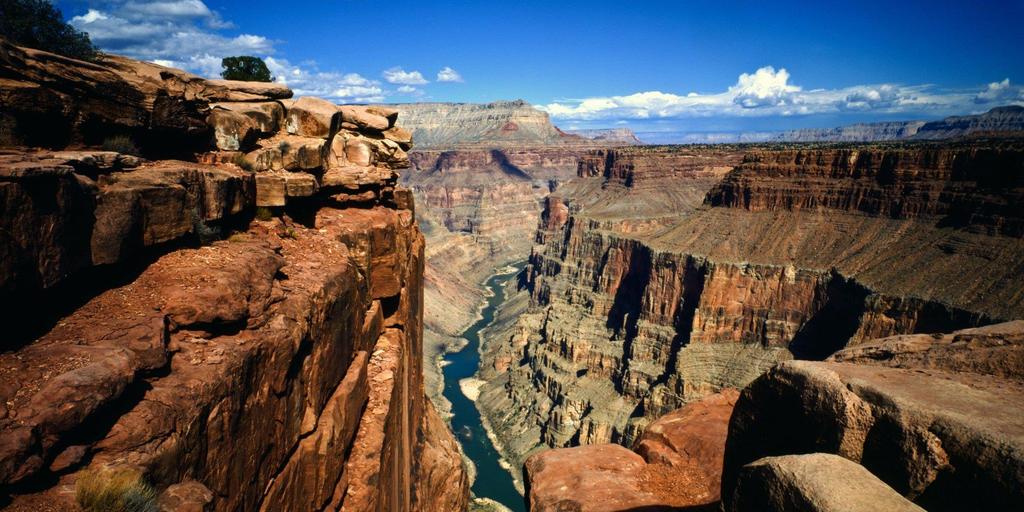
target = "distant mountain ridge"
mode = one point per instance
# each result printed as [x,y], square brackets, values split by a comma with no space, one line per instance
[860,132]
[497,123]
[998,120]
[611,135]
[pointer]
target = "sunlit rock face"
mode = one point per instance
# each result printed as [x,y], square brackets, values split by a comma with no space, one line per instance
[241,325]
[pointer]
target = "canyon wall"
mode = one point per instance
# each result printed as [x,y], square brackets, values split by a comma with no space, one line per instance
[240,326]
[661,276]
[478,209]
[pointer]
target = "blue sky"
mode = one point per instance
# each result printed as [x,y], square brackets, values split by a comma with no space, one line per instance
[652,66]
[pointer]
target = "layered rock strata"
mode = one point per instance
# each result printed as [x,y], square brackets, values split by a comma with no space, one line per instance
[660,276]
[501,123]
[898,423]
[279,369]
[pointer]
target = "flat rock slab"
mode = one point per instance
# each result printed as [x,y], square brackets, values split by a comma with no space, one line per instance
[948,441]
[817,482]
[991,350]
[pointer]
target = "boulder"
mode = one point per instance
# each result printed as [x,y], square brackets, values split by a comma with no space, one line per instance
[365,119]
[603,477]
[948,441]
[311,117]
[692,439]
[399,135]
[189,496]
[817,482]
[267,116]
[232,131]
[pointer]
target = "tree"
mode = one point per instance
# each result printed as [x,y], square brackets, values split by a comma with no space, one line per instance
[38,24]
[245,68]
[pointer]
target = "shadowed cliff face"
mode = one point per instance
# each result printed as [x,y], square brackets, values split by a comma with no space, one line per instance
[662,276]
[241,327]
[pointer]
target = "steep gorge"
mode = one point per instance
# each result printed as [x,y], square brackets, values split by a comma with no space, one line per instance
[661,276]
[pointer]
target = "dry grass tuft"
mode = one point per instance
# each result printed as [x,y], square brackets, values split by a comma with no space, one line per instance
[114,490]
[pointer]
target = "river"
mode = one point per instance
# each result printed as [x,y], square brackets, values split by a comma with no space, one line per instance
[492,480]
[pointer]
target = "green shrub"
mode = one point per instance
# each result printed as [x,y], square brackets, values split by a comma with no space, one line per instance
[264,213]
[284,147]
[238,237]
[122,144]
[114,490]
[244,163]
[288,233]
[38,24]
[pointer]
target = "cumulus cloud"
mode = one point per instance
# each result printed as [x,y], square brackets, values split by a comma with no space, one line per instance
[448,74]
[873,98]
[1000,92]
[764,88]
[400,76]
[771,92]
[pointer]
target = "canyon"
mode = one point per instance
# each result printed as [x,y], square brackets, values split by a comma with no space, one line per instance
[215,289]
[250,301]
[662,275]
[659,276]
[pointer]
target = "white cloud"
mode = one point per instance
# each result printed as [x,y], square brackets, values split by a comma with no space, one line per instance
[187,34]
[767,92]
[400,76]
[1000,92]
[339,87]
[764,88]
[90,16]
[182,32]
[448,74]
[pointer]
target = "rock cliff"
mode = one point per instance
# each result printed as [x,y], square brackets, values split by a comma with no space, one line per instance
[240,326]
[662,275]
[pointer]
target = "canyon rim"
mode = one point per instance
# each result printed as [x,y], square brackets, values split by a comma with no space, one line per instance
[416,257]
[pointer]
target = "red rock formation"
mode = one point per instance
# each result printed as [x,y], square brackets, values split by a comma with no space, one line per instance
[280,369]
[948,440]
[644,299]
[677,463]
[970,186]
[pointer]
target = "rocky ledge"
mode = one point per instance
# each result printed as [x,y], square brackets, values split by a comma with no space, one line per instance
[240,326]
[892,424]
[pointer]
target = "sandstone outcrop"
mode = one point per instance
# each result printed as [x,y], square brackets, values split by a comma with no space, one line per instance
[676,463]
[682,271]
[817,482]
[236,363]
[948,441]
